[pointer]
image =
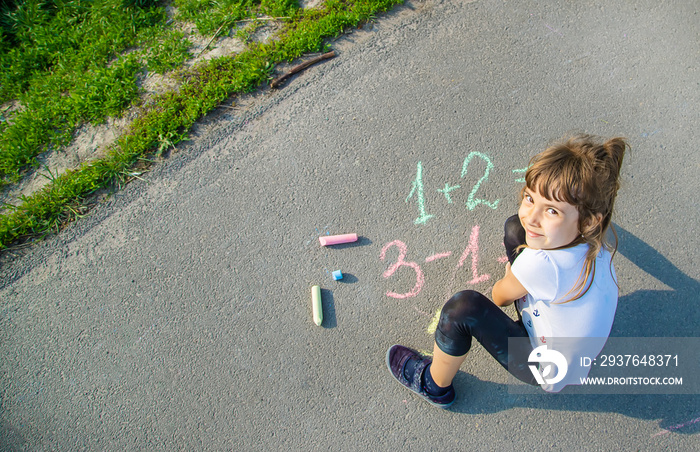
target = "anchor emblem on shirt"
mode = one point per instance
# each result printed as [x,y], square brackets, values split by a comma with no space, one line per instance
[529,323]
[543,340]
[536,313]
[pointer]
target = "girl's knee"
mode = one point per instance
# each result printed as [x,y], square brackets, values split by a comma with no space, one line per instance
[458,318]
[513,238]
[462,305]
[513,230]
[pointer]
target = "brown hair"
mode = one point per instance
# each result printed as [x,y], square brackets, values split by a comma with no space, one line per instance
[584,171]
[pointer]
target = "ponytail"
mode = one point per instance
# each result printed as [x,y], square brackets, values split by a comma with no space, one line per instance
[608,167]
[615,149]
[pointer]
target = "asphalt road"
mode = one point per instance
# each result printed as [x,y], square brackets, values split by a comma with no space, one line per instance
[177,314]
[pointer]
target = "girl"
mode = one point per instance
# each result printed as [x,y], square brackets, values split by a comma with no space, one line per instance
[562,281]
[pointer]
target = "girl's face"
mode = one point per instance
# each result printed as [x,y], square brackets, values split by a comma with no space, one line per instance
[548,224]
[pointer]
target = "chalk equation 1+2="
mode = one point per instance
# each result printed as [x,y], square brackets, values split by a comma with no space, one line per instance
[418,189]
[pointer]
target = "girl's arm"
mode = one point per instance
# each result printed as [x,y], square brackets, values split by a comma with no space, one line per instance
[507,289]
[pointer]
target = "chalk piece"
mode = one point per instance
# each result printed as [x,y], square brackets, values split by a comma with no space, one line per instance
[337,275]
[337,239]
[316,307]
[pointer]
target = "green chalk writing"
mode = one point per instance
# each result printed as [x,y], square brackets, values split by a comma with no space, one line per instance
[523,170]
[417,189]
[472,201]
[446,191]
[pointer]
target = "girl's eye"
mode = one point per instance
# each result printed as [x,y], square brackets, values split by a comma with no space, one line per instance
[527,198]
[552,211]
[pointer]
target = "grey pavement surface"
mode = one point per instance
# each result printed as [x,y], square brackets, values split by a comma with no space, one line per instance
[177,314]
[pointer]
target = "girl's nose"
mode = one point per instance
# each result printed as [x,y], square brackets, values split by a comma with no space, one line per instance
[532,218]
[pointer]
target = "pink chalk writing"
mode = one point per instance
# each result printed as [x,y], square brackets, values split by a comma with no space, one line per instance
[473,249]
[400,262]
[668,430]
[437,256]
[471,253]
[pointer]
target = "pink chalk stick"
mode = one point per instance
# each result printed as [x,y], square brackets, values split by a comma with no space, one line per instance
[337,239]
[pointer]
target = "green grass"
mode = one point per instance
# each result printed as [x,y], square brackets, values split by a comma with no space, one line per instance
[63,64]
[45,65]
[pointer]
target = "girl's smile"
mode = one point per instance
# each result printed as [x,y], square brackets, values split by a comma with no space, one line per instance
[548,224]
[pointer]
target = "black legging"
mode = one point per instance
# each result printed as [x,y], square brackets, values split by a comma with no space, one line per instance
[470,314]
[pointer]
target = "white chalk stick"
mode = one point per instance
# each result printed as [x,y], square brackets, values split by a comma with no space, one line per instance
[316,307]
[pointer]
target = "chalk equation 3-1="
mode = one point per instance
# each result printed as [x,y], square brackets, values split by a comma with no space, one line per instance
[471,253]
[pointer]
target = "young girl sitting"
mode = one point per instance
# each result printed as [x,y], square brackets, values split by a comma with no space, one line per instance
[560,275]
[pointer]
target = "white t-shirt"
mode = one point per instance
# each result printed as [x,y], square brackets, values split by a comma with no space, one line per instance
[548,276]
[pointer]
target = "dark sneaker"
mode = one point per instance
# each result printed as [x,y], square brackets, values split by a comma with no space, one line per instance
[396,359]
